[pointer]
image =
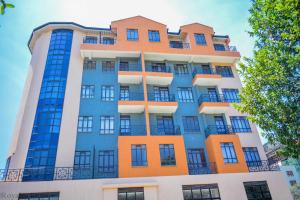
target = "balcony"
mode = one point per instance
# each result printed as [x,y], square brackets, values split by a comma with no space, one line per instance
[202,168]
[99,40]
[132,130]
[205,76]
[161,130]
[131,103]
[262,166]
[212,104]
[158,75]
[57,173]
[179,45]
[162,103]
[218,130]
[130,73]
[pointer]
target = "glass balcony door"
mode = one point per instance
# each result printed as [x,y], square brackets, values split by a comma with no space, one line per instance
[220,125]
[161,94]
[165,125]
[124,93]
[125,125]
[213,95]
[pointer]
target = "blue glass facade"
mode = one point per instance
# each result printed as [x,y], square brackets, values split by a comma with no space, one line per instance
[41,155]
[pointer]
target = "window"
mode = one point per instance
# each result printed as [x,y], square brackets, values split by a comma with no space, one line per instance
[165,125]
[82,159]
[293,182]
[161,94]
[191,124]
[108,40]
[206,69]
[257,190]
[125,128]
[108,66]
[124,93]
[228,152]
[219,47]
[252,156]
[199,192]
[200,39]
[132,34]
[107,93]
[167,154]
[289,173]
[90,40]
[39,196]
[124,66]
[107,125]
[224,71]
[138,155]
[89,64]
[196,161]
[181,69]
[131,194]
[159,67]
[85,124]
[106,161]
[231,95]
[185,94]
[153,36]
[87,91]
[240,124]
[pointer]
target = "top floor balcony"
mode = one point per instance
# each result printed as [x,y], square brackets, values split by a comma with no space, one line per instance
[99,40]
[179,45]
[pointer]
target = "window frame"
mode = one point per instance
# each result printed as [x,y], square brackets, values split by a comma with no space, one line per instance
[181,69]
[85,124]
[107,93]
[141,160]
[106,161]
[208,188]
[228,153]
[166,157]
[257,187]
[185,94]
[134,190]
[190,124]
[108,66]
[153,36]
[225,71]
[89,64]
[252,156]
[231,95]
[87,91]
[243,125]
[104,120]
[86,159]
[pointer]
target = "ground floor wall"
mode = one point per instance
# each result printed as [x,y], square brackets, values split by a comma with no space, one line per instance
[155,188]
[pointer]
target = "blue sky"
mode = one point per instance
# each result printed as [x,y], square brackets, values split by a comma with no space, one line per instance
[227,17]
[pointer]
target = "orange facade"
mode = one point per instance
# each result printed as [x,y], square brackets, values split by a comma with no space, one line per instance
[213,147]
[154,167]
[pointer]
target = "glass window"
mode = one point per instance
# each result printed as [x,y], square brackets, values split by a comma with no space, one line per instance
[231,95]
[107,125]
[124,66]
[131,194]
[107,93]
[138,155]
[200,39]
[89,64]
[125,128]
[257,190]
[87,91]
[199,192]
[228,152]
[167,154]
[108,40]
[181,69]
[224,71]
[108,66]
[132,34]
[191,124]
[153,36]
[85,124]
[39,196]
[240,124]
[82,159]
[90,40]
[219,47]
[196,161]
[159,67]
[165,125]
[124,93]
[185,94]
[106,161]
[252,156]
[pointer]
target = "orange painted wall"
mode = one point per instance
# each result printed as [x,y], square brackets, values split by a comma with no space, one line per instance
[153,156]
[142,44]
[213,146]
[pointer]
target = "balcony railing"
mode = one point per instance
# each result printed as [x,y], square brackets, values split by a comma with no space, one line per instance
[161,97]
[231,48]
[57,173]
[217,98]
[158,68]
[155,130]
[131,96]
[261,166]
[217,130]
[129,67]
[202,168]
[203,70]
[132,130]
[98,40]
[179,45]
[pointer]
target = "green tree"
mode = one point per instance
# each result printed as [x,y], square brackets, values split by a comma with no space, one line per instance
[4,5]
[271,93]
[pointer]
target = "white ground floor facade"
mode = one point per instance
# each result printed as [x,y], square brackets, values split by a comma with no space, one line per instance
[231,186]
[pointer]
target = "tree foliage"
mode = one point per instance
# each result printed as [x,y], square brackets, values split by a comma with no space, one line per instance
[4,5]
[271,93]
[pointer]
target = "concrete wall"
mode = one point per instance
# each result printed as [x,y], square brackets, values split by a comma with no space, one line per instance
[155,188]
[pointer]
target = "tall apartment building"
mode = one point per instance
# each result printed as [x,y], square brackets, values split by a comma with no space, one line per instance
[135,112]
